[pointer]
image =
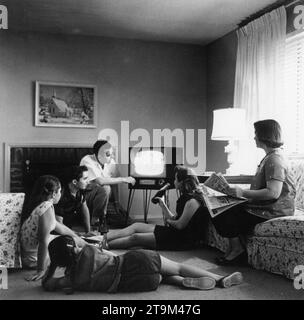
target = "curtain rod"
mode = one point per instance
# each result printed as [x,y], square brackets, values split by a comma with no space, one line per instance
[291,3]
[269,8]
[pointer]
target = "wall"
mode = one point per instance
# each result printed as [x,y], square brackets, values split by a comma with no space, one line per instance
[221,61]
[153,85]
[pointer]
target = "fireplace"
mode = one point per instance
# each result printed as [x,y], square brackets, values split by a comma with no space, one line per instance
[25,163]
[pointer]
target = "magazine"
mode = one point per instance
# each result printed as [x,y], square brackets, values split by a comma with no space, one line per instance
[93,239]
[90,238]
[217,196]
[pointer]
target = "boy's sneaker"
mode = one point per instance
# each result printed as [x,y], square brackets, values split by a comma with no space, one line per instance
[202,283]
[230,280]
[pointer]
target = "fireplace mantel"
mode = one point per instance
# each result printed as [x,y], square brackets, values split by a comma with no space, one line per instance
[9,150]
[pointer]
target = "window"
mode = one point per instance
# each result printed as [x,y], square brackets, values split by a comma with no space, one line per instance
[292,117]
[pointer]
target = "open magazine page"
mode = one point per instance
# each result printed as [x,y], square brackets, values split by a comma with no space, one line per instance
[219,204]
[216,195]
[96,240]
[217,182]
[211,192]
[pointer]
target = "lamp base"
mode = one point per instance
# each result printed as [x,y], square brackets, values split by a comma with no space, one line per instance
[231,150]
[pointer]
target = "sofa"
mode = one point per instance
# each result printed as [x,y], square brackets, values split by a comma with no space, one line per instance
[276,245]
[10,219]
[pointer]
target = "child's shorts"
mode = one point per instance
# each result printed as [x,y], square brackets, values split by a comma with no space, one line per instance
[140,271]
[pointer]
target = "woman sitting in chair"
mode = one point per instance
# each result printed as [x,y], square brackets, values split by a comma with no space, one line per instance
[271,194]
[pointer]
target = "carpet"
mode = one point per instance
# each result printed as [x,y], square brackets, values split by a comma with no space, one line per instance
[257,284]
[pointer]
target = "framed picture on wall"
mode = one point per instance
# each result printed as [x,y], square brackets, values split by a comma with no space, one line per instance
[59,104]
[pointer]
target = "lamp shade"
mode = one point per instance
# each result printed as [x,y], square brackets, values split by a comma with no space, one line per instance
[229,124]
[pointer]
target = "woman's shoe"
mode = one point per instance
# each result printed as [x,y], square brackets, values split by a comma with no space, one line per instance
[202,283]
[238,260]
[230,280]
[218,260]
[103,227]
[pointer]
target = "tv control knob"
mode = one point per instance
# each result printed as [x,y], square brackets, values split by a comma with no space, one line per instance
[161,182]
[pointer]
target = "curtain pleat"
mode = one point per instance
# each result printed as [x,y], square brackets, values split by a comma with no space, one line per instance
[259,78]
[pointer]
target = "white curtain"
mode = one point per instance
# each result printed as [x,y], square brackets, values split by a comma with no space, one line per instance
[259,79]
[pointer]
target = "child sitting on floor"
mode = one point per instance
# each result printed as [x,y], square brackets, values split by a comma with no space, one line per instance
[72,208]
[38,221]
[91,269]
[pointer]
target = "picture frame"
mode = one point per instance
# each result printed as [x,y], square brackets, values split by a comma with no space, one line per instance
[61,104]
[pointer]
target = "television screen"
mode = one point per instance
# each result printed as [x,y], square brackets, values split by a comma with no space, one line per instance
[152,167]
[149,163]
[146,162]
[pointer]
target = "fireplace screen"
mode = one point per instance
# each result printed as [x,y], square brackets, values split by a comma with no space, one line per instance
[28,163]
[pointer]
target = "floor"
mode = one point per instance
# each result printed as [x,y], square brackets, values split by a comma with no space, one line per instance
[259,285]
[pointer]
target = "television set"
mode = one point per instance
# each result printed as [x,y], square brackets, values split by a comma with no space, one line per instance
[153,167]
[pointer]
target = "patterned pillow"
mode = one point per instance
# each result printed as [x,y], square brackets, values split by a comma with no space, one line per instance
[297,169]
[286,227]
[10,217]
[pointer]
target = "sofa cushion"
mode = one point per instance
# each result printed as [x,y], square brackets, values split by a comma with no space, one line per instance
[10,218]
[285,227]
[276,255]
[297,169]
[285,244]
